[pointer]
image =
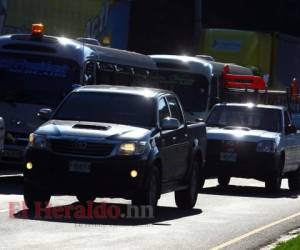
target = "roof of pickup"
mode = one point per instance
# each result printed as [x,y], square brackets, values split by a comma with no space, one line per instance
[250,105]
[147,92]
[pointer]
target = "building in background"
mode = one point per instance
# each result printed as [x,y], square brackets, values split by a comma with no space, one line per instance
[105,20]
[163,26]
[256,15]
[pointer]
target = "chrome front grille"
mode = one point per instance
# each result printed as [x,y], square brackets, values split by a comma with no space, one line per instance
[81,147]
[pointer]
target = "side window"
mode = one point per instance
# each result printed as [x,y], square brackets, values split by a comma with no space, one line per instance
[175,109]
[89,72]
[163,110]
[123,75]
[105,73]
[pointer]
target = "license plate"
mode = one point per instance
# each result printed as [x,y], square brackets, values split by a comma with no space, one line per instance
[80,167]
[12,154]
[228,157]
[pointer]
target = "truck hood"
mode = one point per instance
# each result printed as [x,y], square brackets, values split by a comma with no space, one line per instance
[92,130]
[240,134]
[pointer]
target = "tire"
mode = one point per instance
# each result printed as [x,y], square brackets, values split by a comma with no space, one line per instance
[274,180]
[186,199]
[34,196]
[202,176]
[294,180]
[150,196]
[224,181]
[85,198]
[201,182]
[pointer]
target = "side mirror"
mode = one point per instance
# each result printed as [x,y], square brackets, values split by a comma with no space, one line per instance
[199,120]
[44,114]
[169,124]
[290,129]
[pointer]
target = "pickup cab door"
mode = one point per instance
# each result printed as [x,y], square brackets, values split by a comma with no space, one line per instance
[173,149]
[166,143]
[180,138]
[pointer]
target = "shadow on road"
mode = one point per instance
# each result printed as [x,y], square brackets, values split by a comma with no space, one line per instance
[11,184]
[50,215]
[246,191]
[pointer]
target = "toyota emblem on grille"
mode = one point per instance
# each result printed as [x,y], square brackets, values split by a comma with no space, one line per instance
[81,145]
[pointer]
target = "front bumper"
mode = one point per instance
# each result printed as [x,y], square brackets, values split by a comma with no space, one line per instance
[245,163]
[108,177]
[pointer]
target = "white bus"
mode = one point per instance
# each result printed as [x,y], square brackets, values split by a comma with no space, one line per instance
[37,71]
[190,78]
[196,80]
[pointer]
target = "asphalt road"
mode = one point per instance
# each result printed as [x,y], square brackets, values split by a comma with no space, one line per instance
[241,217]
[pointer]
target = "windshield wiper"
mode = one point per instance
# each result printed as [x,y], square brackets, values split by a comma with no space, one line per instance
[214,125]
[237,127]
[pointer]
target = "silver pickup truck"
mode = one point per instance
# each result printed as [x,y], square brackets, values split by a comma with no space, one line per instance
[253,141]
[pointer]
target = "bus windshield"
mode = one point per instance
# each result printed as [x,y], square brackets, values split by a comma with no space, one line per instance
[34,79]
[192,89]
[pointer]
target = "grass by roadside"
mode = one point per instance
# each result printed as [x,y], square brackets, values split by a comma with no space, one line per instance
[293,244]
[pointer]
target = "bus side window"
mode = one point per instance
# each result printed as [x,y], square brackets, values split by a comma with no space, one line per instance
[89,73]
[123,75]
[143,78]
[105,73]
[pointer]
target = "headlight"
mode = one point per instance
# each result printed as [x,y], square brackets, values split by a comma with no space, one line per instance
[132,148]
[266,147]
[37,141]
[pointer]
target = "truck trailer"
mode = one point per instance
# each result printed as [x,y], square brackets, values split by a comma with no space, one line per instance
[274,56]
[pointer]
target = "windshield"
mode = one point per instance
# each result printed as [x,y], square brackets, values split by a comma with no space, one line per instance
[254,118]
[108,108]
[192,89]
[36,79]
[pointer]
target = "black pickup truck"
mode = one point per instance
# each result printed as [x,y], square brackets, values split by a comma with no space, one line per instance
[112,141]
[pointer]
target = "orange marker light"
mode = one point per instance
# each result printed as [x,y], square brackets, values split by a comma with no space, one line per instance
[37,29]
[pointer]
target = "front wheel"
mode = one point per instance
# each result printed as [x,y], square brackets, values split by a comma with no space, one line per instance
[294,180]
[85,198]
[186,199]
[149,197]
[224,181]
[35,198]
[274,180]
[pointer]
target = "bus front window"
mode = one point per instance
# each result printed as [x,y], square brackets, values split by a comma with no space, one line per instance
[36,79]
[192,89]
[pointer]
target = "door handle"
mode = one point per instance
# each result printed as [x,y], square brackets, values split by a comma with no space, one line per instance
[174,138]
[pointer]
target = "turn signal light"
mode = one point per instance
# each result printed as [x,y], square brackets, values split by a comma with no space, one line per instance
[37,29]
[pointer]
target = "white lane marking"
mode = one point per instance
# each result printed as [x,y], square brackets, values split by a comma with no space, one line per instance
[255,231]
